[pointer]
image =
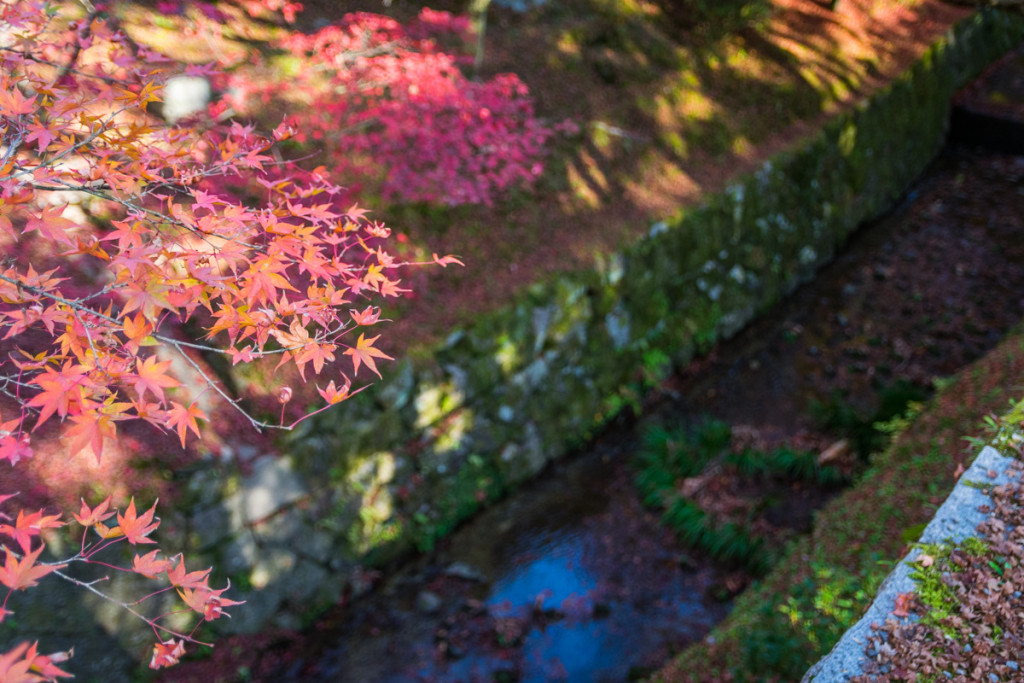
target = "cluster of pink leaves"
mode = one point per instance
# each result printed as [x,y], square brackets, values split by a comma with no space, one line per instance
[22,569]
[94,294]
[390,106]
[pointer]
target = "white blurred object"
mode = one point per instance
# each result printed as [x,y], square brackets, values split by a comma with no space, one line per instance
[185,96]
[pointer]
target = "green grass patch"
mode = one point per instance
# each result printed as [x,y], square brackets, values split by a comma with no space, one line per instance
[670,455]
[935,592]
[785,463]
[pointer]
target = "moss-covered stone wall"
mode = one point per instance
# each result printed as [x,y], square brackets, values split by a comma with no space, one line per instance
[454,426]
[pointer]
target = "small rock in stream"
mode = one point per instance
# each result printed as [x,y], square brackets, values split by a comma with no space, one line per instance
[428,602]
[461,570]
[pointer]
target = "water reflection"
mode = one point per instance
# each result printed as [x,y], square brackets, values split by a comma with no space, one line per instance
[580,583]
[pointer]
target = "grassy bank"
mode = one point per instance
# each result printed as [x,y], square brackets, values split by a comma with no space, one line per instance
[784,623]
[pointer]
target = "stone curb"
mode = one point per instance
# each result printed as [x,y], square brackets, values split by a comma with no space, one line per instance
[956,520]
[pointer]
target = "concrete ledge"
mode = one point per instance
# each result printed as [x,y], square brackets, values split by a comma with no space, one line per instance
[954,521]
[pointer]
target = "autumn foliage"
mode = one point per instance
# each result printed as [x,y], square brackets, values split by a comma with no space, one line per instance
[411,122]
[386,106]
[131,247]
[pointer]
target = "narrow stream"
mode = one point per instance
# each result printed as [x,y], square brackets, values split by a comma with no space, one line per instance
[571,579]
[549,585]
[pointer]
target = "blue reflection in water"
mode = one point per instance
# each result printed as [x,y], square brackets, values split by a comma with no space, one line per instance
[569,652]
[551,574]
[581,585]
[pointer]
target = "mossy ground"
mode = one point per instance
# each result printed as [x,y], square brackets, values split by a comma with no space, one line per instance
[780,626]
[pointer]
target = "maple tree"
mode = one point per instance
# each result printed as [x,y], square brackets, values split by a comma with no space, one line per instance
[129,246]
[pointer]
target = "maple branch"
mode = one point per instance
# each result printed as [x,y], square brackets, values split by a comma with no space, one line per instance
[12,148]
[155,593]
[178,343]
[191,345]
[103,292]
[139,209]
[59,299]
[49,163]
[86,560]
[88,585]
[295,424]
[76,305]
[234,402]
[109,80]
[92,346]
[12,379]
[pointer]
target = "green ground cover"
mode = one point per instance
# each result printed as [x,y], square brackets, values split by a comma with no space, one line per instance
[792,617]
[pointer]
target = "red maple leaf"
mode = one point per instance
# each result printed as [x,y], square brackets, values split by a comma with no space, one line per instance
[136,528]
[902,605]
[57,392]
[184,419]
[166,653]
[318,353]
[367,316]
[182,579]
[92,427]
[443,261]
[14,103]
[21,574]
[46,665]
[246,355]
[14,448]
[136,330]
[149,565]
[150,375]
[23,664]
[27,526]
[88,516]
[41,135]
[364,352]
[52,225]
[207,601]
[332,394]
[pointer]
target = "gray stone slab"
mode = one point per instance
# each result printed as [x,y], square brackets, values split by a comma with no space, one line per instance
[271,486]
[954,521]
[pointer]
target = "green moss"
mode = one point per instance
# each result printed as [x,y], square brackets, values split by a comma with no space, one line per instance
[671,454]
[806,621]
[787,464]
[474,484]
[939,599]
